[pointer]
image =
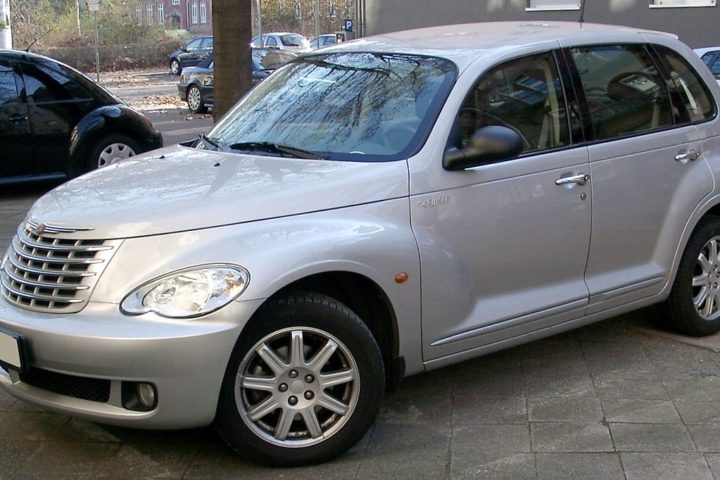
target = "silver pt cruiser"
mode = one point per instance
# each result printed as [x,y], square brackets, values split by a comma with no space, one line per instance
[382,208]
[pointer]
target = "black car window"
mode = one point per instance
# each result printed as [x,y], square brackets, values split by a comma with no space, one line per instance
[624,91]
[44,83]
[690,96]
[270,42]
[8,87]
[708,57]
[194,44]
[525,95]
[715,65]
[207,43]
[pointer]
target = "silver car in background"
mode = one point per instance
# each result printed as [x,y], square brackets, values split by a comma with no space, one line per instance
[372,211]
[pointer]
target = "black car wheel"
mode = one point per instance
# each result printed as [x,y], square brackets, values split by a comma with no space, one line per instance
[175,68]
[304,382]
[111,149]
[195,102]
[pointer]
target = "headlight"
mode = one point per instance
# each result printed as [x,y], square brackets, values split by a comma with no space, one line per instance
[188,293]
[207,80]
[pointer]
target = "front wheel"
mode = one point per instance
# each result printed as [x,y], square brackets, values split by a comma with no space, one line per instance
[195,102]
[303,385]
[693,307]
[111,149]
[175,68]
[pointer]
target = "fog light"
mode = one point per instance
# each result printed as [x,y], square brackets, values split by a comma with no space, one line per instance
[139,396]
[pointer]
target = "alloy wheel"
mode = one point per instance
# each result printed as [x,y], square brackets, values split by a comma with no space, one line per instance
[706,280]
[113,153]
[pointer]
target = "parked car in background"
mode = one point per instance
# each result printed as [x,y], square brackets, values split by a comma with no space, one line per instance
[324,40]
[371,211]
[711,57]
[293,42]
[196,83]
[190,54]
[57,123]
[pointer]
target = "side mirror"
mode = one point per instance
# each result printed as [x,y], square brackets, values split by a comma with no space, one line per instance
[487,145]
[183,49]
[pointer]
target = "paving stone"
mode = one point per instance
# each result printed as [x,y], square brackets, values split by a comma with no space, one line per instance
[491,384]
[706,437]
[13,454]
[68,458]
[713,459]
[640,411]
[698,413]
[483,466]
[422,410]
[628,381]
[703,389]
[665,466]
[578,384]
[469,440]
[634,437]
[572,466]
[479,409]
[571,437]
[31,426]
[565,409]
[437,383]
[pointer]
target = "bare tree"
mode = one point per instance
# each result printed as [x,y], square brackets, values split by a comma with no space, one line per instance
[232,31]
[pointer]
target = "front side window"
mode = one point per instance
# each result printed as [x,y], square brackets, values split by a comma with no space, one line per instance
[524,95]
[194,45]
[44,83]
[344,106]
[624,91]
[270,42]
[689,94]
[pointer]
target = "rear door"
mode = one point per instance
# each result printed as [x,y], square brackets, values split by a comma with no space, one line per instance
[646,177]
[17,144]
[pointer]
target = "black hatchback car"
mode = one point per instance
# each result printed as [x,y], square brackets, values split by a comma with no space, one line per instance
[56,123]
[190,54]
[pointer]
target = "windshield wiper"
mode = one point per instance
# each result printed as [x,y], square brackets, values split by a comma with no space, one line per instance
[207,140]
[275,148]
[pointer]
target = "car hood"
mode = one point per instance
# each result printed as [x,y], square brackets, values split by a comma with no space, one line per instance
[180,188]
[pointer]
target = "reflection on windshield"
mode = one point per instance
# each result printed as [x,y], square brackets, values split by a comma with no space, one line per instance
[343,106]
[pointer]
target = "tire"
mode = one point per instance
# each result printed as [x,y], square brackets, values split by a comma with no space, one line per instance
[175,67]
[195,102]
[110,149]
[693,307]
[265,372]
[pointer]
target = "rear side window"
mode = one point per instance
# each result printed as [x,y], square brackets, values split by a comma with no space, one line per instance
[525,95]
[624,91]
[44,83]
[690,96]
[8,88]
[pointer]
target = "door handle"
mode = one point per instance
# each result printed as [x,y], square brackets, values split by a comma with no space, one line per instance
[17,118]
[579,179]
[685,156]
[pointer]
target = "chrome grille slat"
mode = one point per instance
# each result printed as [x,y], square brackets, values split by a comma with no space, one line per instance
[47,271]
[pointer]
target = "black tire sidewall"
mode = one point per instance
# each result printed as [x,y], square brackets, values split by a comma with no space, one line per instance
[323,313]
[179,68]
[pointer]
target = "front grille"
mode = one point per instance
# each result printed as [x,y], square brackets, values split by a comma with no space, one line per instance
[44,273]
[92,389]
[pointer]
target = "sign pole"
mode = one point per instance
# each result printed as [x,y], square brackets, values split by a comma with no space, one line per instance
[97,50]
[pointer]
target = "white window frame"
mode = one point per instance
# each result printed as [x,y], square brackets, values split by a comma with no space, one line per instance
[545,5]
[682,3]
[138,14]
[161,13]
[203,11]
[175,2]
[194,12]
[149,9]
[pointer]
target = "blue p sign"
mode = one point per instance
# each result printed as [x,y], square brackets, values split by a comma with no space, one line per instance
[348,25]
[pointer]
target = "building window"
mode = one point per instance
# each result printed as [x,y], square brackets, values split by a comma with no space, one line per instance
[138,14]
[682,3]
[194,12]
[203,12]
[533,5]
[175,2]
[161,13]
[149,14]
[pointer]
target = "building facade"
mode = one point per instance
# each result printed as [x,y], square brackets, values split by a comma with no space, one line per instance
[696,22]
[194,16]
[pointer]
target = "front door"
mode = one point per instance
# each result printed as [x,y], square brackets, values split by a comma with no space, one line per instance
[504,246]
[17,145]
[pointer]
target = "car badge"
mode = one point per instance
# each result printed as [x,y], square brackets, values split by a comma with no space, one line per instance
[39,228]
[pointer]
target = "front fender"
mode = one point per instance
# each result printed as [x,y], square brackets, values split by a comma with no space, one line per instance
[373,240]
[105,120]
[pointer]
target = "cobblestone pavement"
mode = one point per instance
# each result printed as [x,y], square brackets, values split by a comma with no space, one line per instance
[619,399]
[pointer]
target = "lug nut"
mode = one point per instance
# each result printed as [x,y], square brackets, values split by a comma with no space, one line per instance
[309,378]
[292,401]
[309,395]
[293,373]
[283,387]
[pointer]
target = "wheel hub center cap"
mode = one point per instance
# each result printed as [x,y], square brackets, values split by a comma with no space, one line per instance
[297,387]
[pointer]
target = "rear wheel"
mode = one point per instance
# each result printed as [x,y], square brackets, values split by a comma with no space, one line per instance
[195,102]
[693,307]
[303,385]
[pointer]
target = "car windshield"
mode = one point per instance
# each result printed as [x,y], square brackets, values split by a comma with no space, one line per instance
[342,106]
[293,40]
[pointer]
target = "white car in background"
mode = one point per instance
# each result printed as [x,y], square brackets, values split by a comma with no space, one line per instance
[293,42]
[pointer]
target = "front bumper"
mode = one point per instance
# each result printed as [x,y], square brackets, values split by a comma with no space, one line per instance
[184,359]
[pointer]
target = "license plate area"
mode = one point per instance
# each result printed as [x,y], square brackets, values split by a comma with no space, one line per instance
[13,351]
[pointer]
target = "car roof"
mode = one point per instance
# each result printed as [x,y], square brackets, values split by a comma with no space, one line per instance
[461,43]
